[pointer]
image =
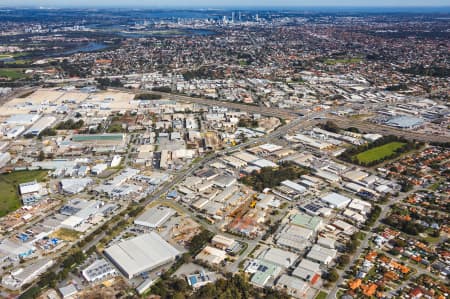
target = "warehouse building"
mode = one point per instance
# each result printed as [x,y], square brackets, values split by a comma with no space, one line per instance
[40,125]
[222,242]
[279,257]
[262,272]
[294,287]
[294,237]
[405,122]
[313,223]
[99,139]
[211,255]
[141,254]
[22,276]
[99,271]
[22,119]
[294,186]
[154,217]
[335,200]
[321,254]
[308,271]
[4,159]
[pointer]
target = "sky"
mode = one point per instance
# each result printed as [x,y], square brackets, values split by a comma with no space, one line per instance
[222,3]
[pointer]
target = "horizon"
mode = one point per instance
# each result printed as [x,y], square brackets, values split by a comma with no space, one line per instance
[326,8]
[228,4]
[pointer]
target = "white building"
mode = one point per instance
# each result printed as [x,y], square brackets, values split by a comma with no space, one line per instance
[116,161]
[154,217]
[321,254]
[4,159]
[141,254]
[99,271]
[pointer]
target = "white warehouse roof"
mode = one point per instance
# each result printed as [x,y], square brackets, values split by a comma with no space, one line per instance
[294,186]
[336,200]
[141,254]
[154,217]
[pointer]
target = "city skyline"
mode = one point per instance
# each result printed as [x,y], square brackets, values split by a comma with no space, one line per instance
[223,4]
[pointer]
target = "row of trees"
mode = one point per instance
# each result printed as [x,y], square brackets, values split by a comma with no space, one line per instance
[70,125]
[148,96]
[247,123]
[232,286]
[269,177]
[104,83]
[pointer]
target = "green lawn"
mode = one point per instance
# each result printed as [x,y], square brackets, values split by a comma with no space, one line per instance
[5,56]
[12,74]
[19,61]
[321,295]
[380,152]
[332,61]
[9,193]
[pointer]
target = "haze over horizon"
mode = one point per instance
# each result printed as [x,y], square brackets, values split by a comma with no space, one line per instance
[221,4]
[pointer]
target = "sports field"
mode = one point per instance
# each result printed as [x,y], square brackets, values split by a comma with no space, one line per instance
[380,152]
[12,73]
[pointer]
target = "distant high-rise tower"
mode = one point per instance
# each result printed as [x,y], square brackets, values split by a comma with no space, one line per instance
[240,17]
[232,17]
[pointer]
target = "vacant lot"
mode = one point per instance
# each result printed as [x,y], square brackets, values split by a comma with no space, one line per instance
[9,184]
[380,152]
[66,234]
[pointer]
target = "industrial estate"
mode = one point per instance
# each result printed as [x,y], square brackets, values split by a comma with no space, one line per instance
[224,154]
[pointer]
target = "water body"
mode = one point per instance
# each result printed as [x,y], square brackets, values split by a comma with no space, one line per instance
[7,59]
[89,47]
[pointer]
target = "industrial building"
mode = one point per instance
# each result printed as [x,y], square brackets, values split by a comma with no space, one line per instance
[211,255]
[98,271]
[22,119]
[4,159]
[335,200]
[99,139]
[279,257]
[154,217]
[262,272]
[40,125]
[405,122]
[312,223]
[141,254]
[22,276]
[308,271]
[222,242]
[292,286]
[321,254]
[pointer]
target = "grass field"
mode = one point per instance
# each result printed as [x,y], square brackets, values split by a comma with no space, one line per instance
[342,60]
[19,61]
[12,74]
[9,193]
[380,152]
[321,295]
[5,56]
